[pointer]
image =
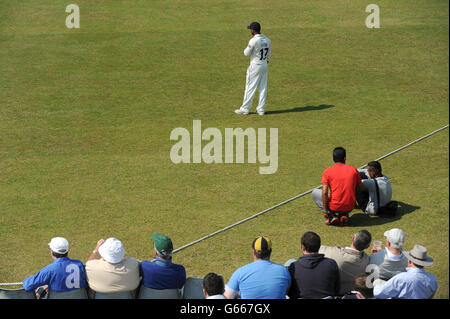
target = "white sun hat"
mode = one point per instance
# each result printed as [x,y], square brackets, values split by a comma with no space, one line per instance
[112,250]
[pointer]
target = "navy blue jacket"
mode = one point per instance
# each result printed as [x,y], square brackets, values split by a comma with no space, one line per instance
[162,274]
[314,277]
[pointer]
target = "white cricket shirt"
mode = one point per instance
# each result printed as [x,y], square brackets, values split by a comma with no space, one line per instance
[258,49]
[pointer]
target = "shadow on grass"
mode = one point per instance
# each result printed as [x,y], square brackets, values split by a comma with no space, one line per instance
[361,219]
[301,109]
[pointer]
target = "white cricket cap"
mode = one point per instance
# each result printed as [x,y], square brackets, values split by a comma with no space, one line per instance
[396,237]
[59,245]
[112,250]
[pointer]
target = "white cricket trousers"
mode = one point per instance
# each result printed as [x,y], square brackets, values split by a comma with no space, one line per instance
[256,79]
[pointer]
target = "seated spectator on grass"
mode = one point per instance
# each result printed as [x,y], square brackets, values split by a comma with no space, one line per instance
[415,283]
[162,273]
[109,271]
[360,289]
[213,286]
[313,275]
[261,279]
[391,261]
[341,180]
[352,260]
[367,197]
[64,274]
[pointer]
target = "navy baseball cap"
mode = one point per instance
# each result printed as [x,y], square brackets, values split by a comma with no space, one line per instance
[254,26]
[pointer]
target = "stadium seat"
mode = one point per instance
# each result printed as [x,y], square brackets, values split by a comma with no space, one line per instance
[16,294]
[73,294]
[114,295]
[193,288]
[149,293]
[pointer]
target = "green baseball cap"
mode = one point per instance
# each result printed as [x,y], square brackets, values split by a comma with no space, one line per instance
[163,244]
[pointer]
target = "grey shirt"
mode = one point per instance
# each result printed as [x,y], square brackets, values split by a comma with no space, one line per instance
[385,188]
[388,267]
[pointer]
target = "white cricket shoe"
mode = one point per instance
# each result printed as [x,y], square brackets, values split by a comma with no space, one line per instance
[239,111]
[260,113]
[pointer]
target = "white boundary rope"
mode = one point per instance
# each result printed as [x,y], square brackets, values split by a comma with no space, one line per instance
[277,205]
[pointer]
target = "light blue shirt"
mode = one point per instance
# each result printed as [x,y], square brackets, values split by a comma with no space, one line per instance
[261,279]
[415,283]
[391,256]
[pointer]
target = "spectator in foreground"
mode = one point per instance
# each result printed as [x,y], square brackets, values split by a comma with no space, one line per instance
[213,286]
[63,275]
[360,289]
[261,279]
[162,273]
[415,283]
[391,261]
[341,180]
[352,261]
[109,271]
[367,197]
[313,275]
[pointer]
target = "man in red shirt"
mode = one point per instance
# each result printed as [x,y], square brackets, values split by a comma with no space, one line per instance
[341,180]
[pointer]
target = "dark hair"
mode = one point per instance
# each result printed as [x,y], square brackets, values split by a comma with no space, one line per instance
[311,241]
[60,255]
[262,254]
[376,167]
[339,155]
[255,26]
[264,247]
[213,284]
[362,240]
[418,266]
[359,284]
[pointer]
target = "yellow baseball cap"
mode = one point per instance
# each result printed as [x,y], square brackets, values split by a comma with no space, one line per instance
[262,244]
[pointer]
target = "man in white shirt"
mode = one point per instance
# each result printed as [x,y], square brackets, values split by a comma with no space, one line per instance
[367,200]
[259,50]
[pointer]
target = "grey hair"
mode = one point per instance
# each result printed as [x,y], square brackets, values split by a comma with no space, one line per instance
[163,255]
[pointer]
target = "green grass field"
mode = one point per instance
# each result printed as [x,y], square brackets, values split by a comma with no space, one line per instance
[86,115]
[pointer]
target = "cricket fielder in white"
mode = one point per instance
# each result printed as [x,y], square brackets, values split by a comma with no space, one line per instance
[259,50]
